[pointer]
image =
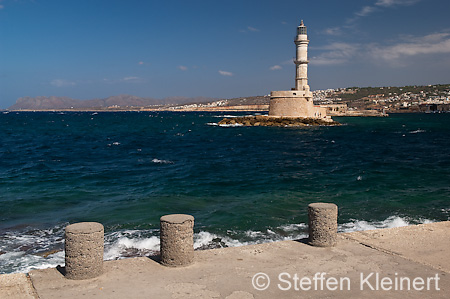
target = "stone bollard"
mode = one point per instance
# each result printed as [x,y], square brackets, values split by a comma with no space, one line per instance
[177,240]
[322,224]
[84,250]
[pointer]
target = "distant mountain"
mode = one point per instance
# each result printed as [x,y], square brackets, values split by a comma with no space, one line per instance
[43,103]
[120,101]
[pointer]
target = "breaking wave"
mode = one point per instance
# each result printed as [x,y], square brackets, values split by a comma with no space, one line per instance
[390,222]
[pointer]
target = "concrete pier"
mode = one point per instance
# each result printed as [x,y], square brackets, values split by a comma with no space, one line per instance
[177,240]
[367,259]
[84,244]
[322,221]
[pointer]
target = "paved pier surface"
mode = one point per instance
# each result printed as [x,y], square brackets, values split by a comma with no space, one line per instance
[418,253]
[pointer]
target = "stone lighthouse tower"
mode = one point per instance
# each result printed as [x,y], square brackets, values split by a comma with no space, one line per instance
[297,102]
[301,59]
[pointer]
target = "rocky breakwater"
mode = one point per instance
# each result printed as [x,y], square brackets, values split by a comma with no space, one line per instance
[268,121]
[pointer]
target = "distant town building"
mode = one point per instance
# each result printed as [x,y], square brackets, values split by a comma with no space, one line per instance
[336,109]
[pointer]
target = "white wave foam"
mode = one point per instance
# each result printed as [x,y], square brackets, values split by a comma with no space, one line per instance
[212,124]
[114,143]
[254,234]
[126,243]
[131,246]
[33,249]
[281,233]
[21,262]
[158,161]
[203,238]
[231,125]
[425,221]
[129,243]
[390,222]
[293,231]
[229,116]
[447,212]
[417,131]
[294,227]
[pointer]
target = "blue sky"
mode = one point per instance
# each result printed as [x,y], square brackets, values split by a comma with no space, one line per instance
[96,48]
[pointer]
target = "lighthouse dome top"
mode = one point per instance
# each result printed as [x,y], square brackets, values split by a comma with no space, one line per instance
[301,29]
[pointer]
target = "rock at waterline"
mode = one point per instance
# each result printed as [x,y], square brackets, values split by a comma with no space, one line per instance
[267,121]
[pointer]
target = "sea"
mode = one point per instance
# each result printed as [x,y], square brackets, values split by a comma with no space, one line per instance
[243,185]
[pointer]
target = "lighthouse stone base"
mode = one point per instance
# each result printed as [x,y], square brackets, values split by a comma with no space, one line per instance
[295,103]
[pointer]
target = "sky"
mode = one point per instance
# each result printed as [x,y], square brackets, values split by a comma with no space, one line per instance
[88,49]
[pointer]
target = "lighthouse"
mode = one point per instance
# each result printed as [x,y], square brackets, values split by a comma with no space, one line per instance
[301,60]
[298,101]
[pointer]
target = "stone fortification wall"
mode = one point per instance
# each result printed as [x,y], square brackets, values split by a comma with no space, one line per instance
[295,103]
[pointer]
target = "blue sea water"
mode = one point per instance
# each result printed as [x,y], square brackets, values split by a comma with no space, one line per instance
[242,184]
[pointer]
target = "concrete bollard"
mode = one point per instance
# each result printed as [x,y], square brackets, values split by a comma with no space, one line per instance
[84,250]
[322,224]
[177,240]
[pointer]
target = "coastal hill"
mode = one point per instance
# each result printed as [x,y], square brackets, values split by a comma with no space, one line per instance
[389,98]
